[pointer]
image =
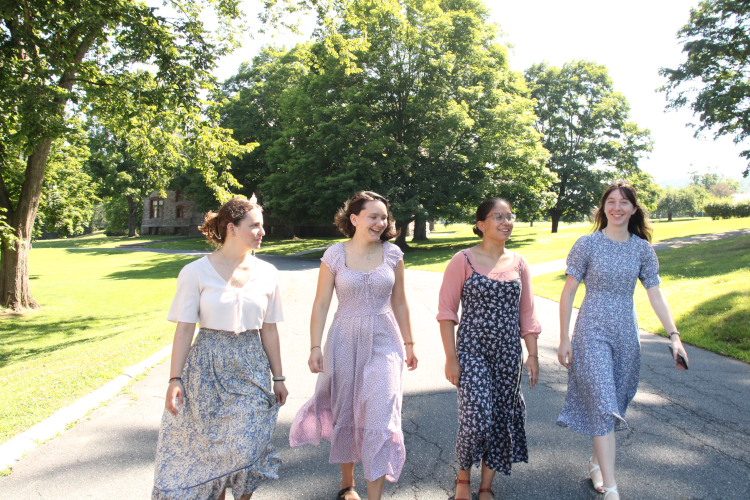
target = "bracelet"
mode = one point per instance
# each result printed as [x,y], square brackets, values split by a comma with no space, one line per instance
[175,378]
[673,333]
[313,347]
[278,379]
[408,343]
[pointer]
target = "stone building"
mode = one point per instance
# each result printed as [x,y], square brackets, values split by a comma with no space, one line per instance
[172,215]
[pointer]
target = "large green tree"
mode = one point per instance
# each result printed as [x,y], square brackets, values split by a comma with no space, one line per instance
[121,61]
[713,80]
[585,127]
[422,107]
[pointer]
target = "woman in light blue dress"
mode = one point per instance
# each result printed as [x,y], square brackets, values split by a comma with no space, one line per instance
[604,357]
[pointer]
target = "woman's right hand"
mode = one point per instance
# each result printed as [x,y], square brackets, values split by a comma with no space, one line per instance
[565,353]
[175,390]
[453,371]
[316,360]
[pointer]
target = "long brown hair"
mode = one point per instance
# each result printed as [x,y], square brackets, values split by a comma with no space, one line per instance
[215,223]
[354,206]
[638,223]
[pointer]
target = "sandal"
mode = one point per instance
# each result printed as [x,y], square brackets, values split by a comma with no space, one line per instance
[487,490]
[344,491]
[609,491]
[461,481]
[598,482]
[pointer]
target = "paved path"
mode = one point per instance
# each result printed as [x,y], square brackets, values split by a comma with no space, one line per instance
[691,439]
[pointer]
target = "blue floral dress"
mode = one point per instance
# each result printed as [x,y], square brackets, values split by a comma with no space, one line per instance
[604,372]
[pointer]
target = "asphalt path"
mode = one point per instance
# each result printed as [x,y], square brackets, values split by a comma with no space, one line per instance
[690,438]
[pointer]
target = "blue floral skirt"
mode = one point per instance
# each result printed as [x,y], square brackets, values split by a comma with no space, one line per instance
[221,436]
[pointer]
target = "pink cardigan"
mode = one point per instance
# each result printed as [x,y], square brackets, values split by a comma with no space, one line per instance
[458,271]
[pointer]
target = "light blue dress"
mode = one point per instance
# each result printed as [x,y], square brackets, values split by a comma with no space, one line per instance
[603,375]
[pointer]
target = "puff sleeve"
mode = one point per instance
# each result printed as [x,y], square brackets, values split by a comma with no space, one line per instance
[578,259]
[186,303]
[649,272]
[333,257]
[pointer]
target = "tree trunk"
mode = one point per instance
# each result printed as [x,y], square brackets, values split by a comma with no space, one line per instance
[555,216]
[420,230]
[132,213]
[432,225]
[403,228]
[14,262]
[669,216]
[531,223]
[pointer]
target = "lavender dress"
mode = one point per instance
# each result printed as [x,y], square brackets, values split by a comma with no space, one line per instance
[357,400]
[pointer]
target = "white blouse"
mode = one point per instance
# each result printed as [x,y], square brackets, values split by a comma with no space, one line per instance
[204,297]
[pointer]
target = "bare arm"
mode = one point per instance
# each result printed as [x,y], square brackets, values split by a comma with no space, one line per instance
[565,351]
[322,303]
[269,337]
[661,308]
[401,312]
[183,340]
[452,366]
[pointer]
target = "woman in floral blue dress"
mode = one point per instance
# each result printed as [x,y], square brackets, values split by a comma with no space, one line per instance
[604,357]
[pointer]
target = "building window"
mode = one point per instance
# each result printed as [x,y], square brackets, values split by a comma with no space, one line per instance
[179,212]
[157,209]
[178,195]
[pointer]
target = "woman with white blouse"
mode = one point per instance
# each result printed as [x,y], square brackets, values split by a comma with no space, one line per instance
[221,410]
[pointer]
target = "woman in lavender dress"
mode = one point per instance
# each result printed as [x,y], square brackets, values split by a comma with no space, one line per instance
[357,400]
[604,358]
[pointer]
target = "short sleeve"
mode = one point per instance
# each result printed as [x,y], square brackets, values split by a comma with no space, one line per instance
[649,273]
[578,259]
[393,253]
[274,313]
[333,257]
[186,303]
[451,288]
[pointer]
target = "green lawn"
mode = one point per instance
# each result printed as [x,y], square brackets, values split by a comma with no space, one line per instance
[271,246]
[707,287]
[102,312]
[95,240]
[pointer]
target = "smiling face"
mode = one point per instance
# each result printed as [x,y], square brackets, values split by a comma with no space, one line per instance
[618,209]
[249,232]
[371,221]
[494,230]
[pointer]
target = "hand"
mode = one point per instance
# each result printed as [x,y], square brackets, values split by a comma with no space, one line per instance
[532,370]
[279,388]
[453,371]
[316,360]
[175,390]
[677,347]
[565,353]
[411,358]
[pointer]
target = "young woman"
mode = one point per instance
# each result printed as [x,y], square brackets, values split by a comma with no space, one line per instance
[493,287]
[357,401]
[604,359]
[220,411]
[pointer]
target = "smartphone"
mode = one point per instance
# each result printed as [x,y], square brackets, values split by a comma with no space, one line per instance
[680,358]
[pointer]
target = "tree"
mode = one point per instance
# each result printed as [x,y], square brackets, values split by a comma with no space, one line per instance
[585,127]
[725,188]
[425,110]
[649,192]
[689,199]
[119,61]
[713,79]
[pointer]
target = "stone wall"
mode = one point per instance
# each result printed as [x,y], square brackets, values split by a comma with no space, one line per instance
[169,223]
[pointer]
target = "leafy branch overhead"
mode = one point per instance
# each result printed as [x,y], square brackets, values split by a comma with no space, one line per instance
[713,80]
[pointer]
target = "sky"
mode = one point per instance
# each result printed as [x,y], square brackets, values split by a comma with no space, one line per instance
[632,39]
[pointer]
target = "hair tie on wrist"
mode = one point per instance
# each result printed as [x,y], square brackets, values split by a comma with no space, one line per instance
[408,343]
[313,347]
[278,379]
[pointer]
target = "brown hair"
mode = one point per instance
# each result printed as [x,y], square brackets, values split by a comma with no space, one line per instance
[215,223]
[483,211]
[638,223]
[354,206]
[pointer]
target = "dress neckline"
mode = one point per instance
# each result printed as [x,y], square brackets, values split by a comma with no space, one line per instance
[509,267]
[228,285]
[343,250]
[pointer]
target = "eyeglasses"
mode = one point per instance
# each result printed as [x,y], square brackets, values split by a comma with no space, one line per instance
[501,217]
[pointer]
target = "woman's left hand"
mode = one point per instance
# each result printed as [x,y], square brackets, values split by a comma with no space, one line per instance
[279,388]
[532,370]
[411,358]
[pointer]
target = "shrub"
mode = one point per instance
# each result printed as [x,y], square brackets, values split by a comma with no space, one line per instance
[726,208]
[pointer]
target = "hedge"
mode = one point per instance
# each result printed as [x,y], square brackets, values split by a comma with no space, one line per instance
[725,209]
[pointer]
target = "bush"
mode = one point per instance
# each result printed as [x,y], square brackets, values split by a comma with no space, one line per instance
[725,209]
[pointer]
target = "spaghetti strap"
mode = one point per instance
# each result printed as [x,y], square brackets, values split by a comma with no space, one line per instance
[469,261]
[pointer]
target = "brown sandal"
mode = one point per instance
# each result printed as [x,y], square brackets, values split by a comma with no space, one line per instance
[487,490]
[461,481]
[344,491]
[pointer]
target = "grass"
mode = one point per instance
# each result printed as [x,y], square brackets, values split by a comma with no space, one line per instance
[707,287]
[95,240]
[270,246]
[102,312]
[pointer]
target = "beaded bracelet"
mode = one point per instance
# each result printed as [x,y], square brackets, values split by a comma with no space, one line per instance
[175,378]
[408,343]
[278,379]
